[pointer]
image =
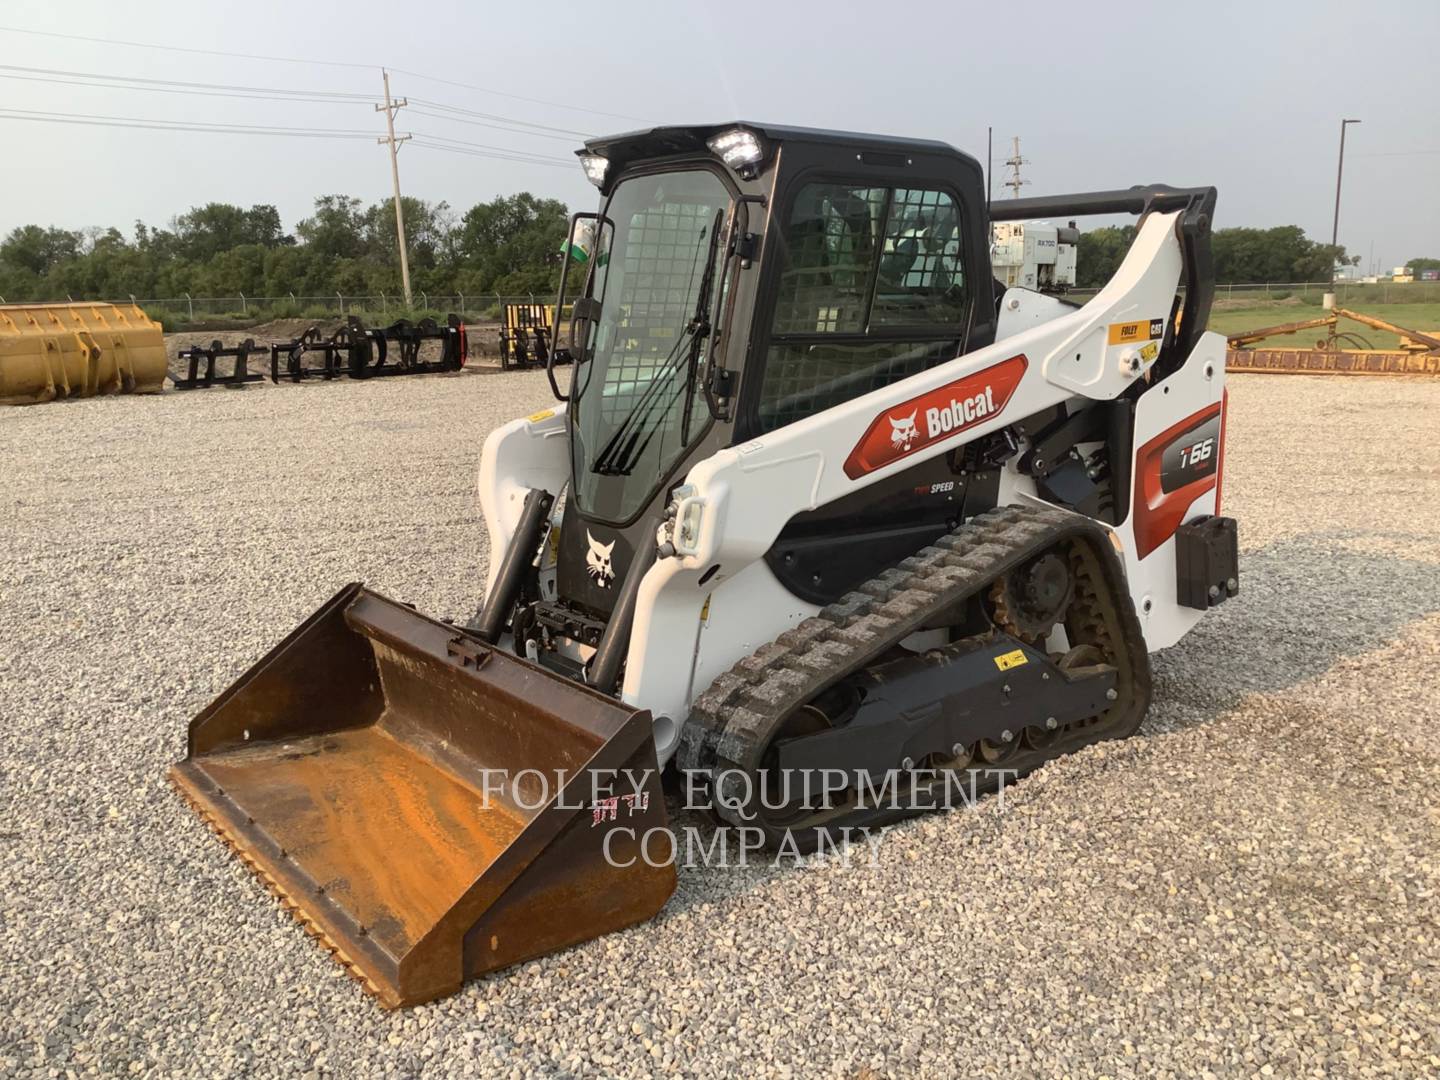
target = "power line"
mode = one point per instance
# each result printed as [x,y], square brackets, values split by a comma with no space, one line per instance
[480,123]
[311,62]
[95,120]
[509,120]
[516,97]
[187,49]
[176,90]
[436,110]
[496,149]
[547,162]
[337,94]
[431,142]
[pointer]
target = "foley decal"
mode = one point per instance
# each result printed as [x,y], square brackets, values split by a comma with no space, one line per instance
[1131,333]
[903,429]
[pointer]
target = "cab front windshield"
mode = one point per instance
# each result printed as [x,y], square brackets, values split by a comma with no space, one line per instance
[635,404]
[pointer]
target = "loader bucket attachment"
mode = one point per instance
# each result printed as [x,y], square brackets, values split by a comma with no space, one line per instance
[50,351]
[428,806]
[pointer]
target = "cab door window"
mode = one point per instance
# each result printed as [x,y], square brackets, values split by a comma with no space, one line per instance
[872,290]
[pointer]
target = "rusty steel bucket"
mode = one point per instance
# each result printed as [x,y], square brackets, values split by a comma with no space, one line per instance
[430,807]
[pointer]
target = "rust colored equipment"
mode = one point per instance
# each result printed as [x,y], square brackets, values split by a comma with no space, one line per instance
[1419,353]
[426,804]
[52,351]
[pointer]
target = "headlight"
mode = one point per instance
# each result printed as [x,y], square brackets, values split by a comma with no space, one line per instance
[740,149]
[595,168]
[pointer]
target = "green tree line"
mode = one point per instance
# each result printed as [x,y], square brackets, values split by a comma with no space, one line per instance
[1242,256]
[506,246]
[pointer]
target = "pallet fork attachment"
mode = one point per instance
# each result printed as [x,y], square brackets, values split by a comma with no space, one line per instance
[239,375]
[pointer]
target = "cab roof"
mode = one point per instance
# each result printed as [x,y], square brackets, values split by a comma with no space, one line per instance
[659,142]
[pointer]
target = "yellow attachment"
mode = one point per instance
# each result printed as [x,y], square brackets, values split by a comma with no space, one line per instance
[50,351]
[524,316]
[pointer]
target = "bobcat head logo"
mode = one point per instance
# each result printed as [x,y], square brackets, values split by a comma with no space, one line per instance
[903,433]
[597,561]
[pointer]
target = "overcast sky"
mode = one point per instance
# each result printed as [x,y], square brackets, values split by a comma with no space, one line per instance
[1246,96]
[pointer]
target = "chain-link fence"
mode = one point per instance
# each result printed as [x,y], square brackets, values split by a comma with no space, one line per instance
[488,307]
[239,308]
[1347,293]
[472,306]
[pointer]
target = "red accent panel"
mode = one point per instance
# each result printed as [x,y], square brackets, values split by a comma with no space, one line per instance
[1158,513]
[908,428]
[1220,464]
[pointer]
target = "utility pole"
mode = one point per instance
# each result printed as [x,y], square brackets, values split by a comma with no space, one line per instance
[389,109]
[1013,163]
[1339,175]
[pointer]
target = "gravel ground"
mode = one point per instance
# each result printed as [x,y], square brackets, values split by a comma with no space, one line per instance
[1249,887]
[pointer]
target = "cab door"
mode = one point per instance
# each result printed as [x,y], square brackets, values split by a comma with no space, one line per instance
[872,276]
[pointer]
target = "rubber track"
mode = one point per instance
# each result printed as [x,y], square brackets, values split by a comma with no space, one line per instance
[732,722]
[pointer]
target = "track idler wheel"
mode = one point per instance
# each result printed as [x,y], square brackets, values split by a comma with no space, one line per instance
[1031,599]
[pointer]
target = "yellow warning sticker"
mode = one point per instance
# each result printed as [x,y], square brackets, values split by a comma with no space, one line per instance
[543,414]
[1012,659]
[1131,333]
[1148,352]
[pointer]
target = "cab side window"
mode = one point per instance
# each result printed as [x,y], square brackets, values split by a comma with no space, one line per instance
[872,290]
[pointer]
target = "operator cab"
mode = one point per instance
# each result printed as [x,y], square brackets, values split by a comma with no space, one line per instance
[737,278]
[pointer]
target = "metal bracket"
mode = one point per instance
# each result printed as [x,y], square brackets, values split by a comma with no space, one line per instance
[468,651]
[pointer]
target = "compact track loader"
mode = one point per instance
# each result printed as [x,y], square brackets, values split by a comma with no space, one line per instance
[820,509]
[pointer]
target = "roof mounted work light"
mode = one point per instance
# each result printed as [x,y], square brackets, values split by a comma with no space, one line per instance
[595,167]
[740,149]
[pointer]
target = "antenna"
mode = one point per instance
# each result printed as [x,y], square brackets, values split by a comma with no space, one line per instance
[989,165]
[1013,163]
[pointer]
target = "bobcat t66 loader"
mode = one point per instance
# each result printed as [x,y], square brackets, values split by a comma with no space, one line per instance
[820,510]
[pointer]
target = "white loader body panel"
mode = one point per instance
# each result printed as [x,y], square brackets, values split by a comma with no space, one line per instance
[735,503]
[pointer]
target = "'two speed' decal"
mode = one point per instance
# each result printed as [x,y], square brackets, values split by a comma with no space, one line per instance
[910,427]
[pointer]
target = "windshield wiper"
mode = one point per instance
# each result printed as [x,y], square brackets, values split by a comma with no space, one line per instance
[700,325]
[624,448]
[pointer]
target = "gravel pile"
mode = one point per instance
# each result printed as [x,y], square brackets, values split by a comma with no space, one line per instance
[1248,887]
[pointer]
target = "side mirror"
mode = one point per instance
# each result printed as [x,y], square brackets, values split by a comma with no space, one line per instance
[586,311]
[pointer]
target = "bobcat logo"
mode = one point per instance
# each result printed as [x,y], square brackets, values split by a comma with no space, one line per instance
[597,561]
[903,433]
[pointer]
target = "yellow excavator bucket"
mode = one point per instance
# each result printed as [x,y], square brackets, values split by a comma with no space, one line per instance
[431,808]
[50,351]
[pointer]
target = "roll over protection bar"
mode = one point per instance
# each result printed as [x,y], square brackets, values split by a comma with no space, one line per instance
[1197,209]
